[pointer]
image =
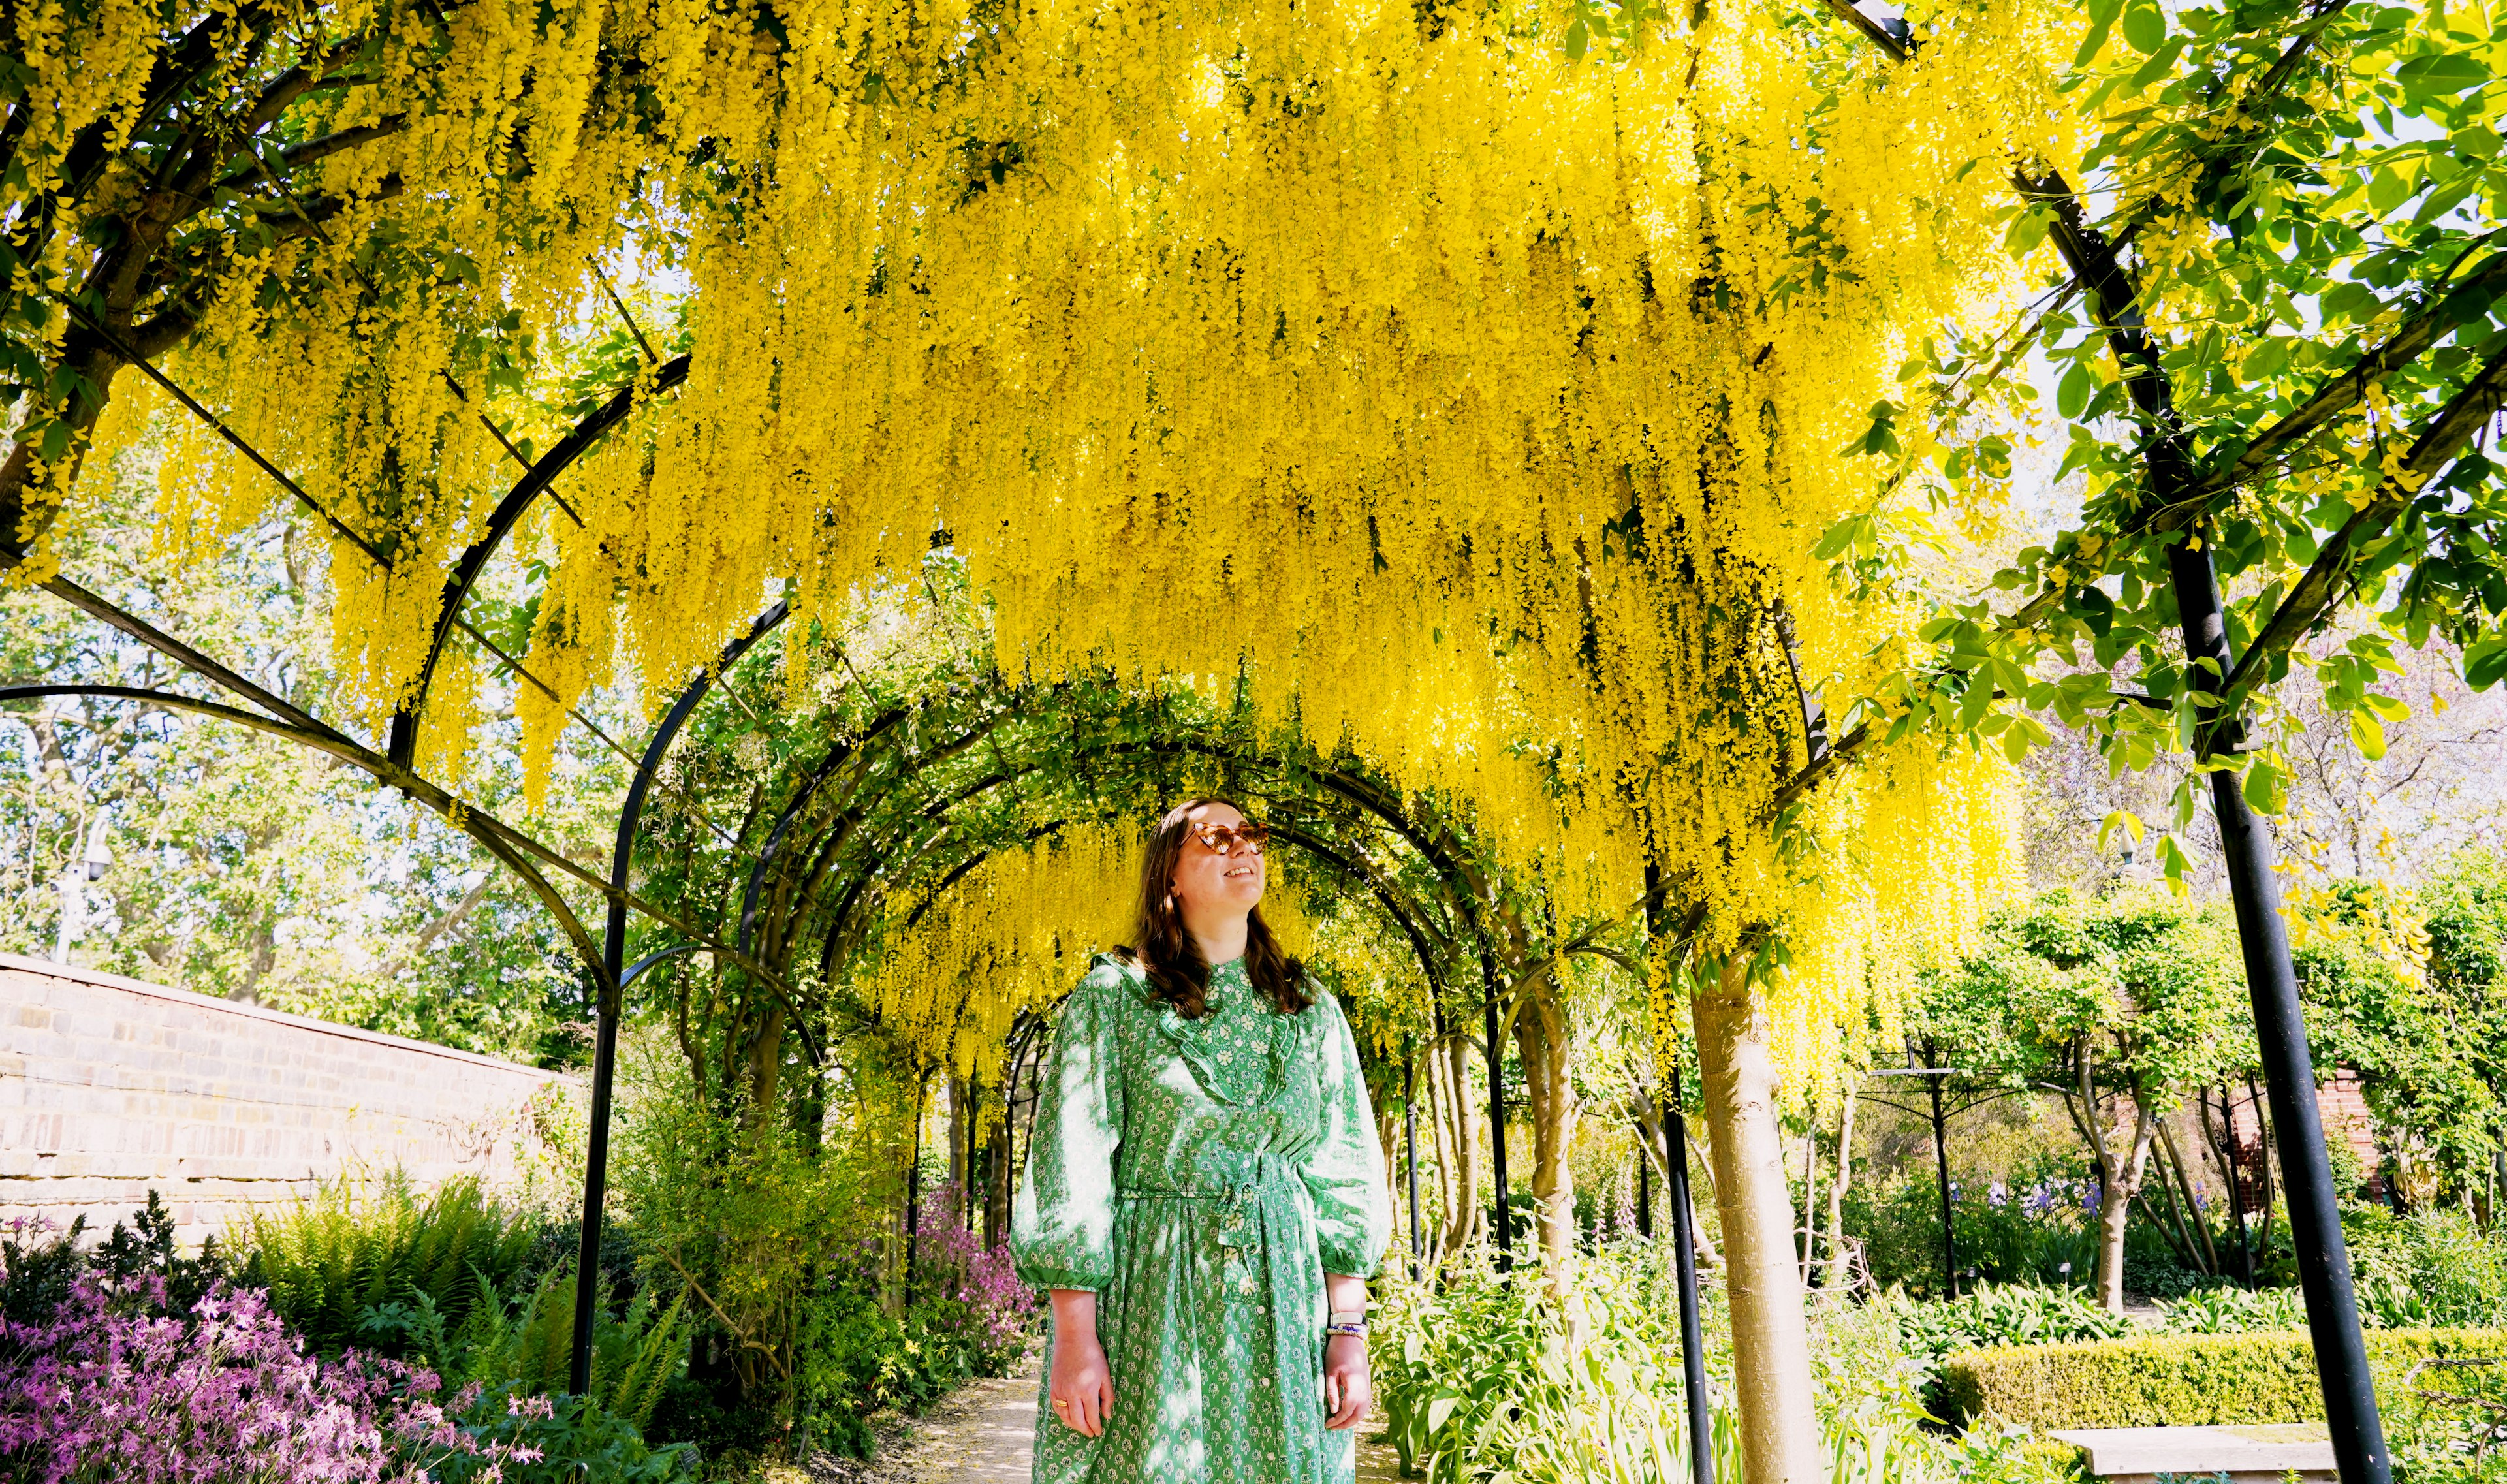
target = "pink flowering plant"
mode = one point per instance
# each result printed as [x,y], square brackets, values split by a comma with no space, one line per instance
[114,1386]
[126,1363]
[972,1292]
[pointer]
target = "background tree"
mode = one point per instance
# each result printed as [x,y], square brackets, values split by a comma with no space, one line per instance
[2128,1006]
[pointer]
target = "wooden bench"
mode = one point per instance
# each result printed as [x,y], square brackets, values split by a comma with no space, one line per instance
[2251,1453]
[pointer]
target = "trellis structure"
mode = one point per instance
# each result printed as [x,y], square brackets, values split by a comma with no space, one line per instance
[1577,511]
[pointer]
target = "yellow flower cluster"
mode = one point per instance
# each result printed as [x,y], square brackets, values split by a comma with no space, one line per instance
[955,968]
[1481,407]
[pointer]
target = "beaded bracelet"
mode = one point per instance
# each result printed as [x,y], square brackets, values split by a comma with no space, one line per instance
[1354,1331]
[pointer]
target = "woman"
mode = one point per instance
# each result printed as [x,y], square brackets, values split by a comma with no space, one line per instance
[1203,1196]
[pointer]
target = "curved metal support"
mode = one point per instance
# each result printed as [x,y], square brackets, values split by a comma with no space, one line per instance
[836,756]
[508,514]
[613,958]
[167,699]
[635,971]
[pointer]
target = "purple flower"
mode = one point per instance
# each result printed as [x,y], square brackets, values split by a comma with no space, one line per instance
[1997,1195]
[113,1387]
[953,1261]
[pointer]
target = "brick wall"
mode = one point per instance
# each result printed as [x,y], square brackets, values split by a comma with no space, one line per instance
[110,1087]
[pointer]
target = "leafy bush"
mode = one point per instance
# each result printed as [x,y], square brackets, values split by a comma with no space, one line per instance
[41,1266]
[972,1299]
[104,1388]
[568,1440]
[2029,1228]
[2450,1424]
[2234,1311]
[1477,1381]
[528,1348]
[2161,1380]
[1987,1318]
[971,1317]
[2003,1315]
[329,1260]
[2427,1268]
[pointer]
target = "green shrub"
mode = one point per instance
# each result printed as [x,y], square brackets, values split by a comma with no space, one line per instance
[2427,1268]
[2160,1380]
[1991,1316]
[330,1259]
[529,1347]
[2234,1311]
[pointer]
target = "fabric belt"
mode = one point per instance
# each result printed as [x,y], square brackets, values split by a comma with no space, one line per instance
[1267,1172]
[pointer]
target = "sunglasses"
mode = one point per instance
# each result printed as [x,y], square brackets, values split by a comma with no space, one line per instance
[1227,839]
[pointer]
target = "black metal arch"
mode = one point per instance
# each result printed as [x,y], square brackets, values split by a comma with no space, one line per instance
[613,959]
[402,745]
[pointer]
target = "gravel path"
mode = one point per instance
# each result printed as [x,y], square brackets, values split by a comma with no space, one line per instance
[982,1434]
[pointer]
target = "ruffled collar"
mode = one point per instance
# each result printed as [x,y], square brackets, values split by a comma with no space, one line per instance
[1239,1049]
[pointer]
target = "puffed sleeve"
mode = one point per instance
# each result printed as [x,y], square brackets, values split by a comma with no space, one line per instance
[1345,1173]
[1062,1226]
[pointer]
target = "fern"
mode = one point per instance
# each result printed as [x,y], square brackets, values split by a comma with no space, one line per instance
[348,1252]
[634,1356]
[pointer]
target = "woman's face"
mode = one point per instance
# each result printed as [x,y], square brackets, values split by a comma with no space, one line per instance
[1207,882]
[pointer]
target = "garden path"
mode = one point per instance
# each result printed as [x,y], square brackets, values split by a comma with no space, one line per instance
[984,1432]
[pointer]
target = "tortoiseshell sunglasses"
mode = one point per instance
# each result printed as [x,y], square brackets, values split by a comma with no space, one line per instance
[1227,839]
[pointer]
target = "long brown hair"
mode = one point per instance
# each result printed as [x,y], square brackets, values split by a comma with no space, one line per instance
[1167,953]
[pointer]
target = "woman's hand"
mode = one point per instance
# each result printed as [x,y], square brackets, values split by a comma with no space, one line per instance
[1347,1387]
[1082,1390]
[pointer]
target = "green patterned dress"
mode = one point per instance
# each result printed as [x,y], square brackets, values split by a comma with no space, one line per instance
[1201,1177]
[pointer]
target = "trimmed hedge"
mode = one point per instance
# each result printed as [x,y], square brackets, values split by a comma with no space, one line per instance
[2163,1380]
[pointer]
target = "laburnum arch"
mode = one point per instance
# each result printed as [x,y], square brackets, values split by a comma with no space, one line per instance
[1339,813]
[1522,515]
[1470,384]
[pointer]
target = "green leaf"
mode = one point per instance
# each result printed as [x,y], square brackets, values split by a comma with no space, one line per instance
[1853,534]
[2267,788]
[1575,40]
[2368,735]
[2072,394]
[2145,26]
[2123,818]
[2440,76]
[2102,18]
[2386,707]
[2485,663]
[2172,861]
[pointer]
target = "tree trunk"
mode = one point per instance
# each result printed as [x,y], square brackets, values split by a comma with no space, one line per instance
[1458,1164]
[1540,1036]
[1770,1337]
[2119,1174]
[1841,1271]
[29,496]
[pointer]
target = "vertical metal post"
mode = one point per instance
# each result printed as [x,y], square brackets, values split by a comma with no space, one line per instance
[609,993]
[2289,1070]
[1499,1231]
[1645,1186]
[604,1069]
[912,1197]
[1410,1146]
[1941,1158]
[1692,1332]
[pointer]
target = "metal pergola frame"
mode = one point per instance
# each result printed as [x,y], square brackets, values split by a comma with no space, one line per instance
[2324,1268]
